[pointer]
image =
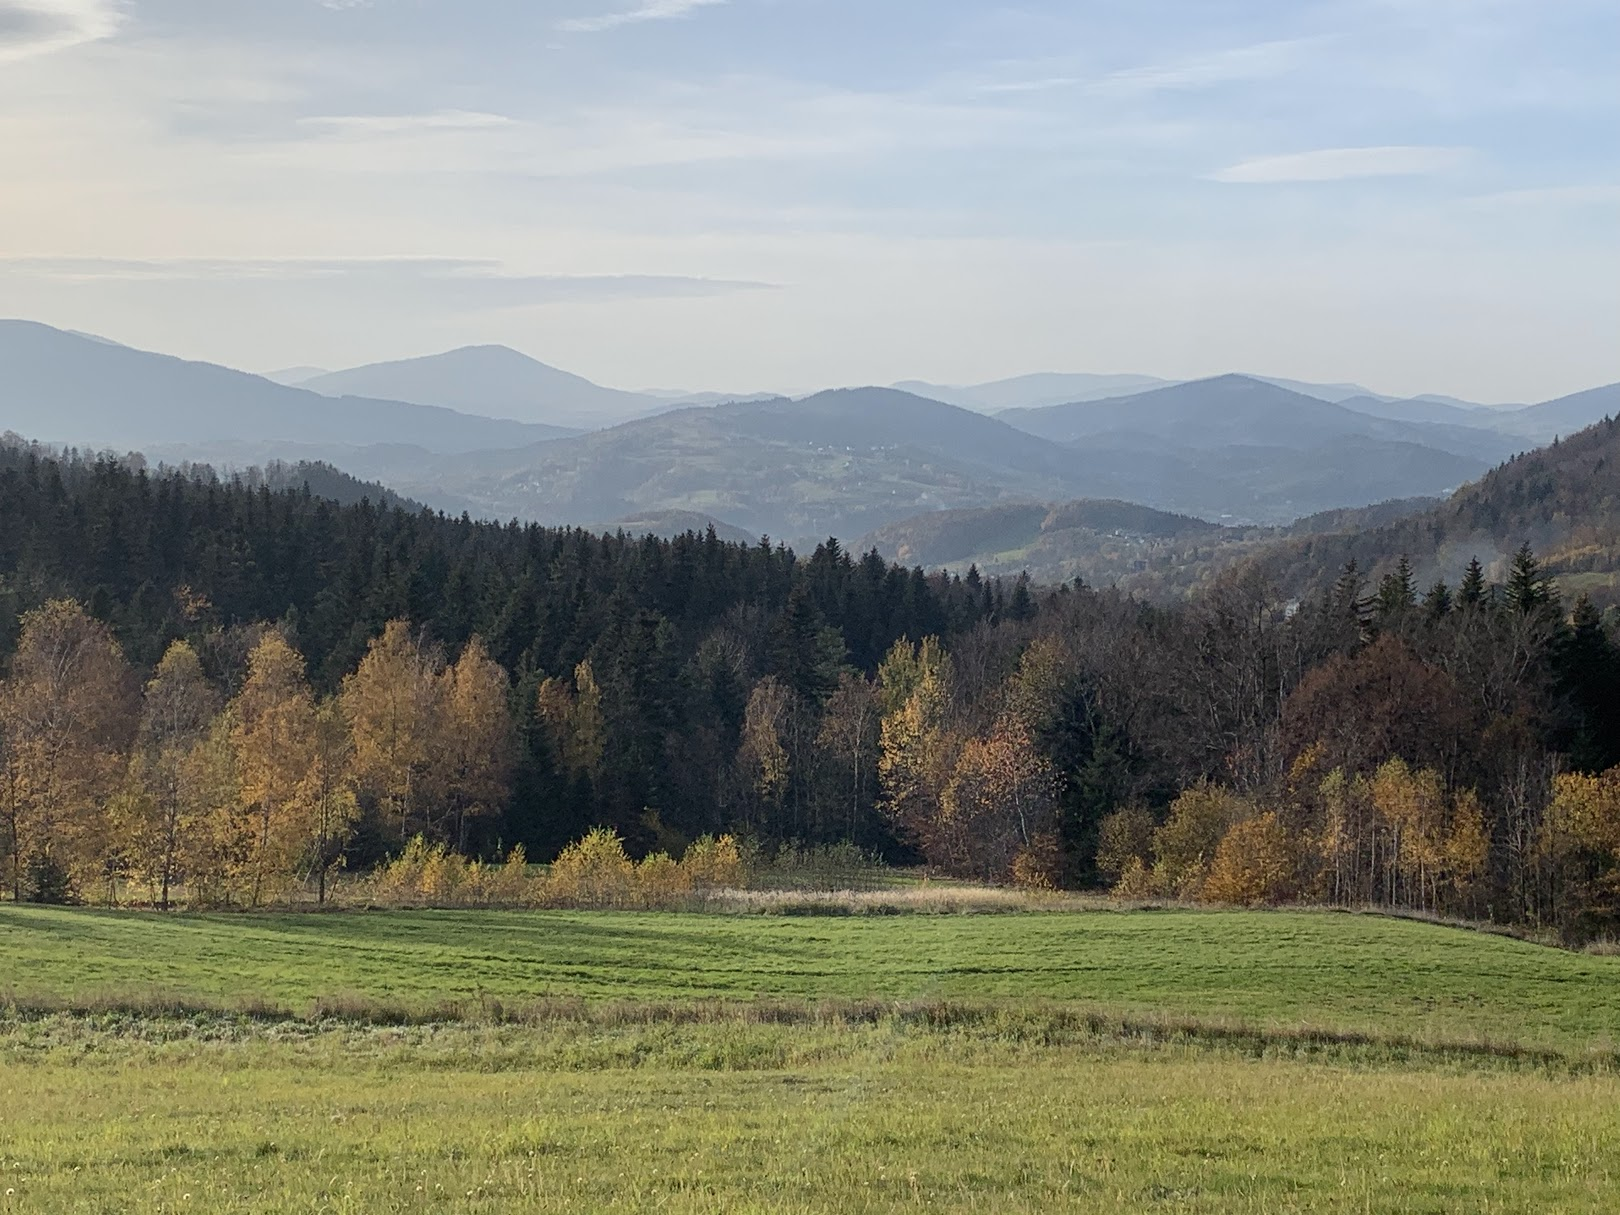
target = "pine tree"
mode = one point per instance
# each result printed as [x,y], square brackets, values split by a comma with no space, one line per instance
[1472,592]
[1589,677]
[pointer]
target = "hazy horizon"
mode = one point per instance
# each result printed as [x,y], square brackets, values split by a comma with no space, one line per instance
[749,195]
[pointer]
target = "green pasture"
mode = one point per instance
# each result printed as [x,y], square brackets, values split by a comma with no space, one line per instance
[1070,1061]
[1362,973]
[749,1118]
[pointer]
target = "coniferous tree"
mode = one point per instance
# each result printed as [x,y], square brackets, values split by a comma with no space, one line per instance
[1396,598]
[1529,590]
[1437,602]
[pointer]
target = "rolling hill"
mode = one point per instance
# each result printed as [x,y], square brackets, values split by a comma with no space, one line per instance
[494,381]
[61,387]
[1563,500]
[1101,542]
[849,461]
[1033,391]
[1564,416]
[840,462]
[1240,411]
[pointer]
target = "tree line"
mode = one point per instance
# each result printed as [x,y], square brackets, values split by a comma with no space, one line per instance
[1451,749]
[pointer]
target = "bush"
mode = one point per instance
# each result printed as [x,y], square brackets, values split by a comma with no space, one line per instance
[595,872]
[1039,866]
[431,874]
[1125,836]
[715,864]
[1254,864]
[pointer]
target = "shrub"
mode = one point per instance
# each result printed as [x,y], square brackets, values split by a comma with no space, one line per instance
[1040,865]
[661,880]
[715,864]
[595,872]
[1125,836]
[1254,864]
[434,875]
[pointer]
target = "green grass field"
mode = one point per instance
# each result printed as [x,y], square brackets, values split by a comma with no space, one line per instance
[1354,972]
[1043,1062]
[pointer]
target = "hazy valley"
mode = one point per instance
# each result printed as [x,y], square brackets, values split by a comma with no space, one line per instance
[492,433]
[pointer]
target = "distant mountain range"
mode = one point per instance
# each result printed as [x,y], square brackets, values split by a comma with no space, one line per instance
[848,461]
[1236,410]
[491,380]
[478,430]
[67,388]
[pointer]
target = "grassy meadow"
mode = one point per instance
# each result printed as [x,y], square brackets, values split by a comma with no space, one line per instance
[1093,1061]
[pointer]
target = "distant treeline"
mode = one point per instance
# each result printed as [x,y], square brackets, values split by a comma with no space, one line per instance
[1452,749]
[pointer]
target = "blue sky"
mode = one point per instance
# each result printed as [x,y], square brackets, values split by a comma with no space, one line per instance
[1423,195]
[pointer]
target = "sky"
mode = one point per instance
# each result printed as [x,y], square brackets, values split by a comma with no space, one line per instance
[742,195]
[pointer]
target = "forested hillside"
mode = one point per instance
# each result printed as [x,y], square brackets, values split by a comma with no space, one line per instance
[1564,500]
[1147,552]
[667,638]
[238,689]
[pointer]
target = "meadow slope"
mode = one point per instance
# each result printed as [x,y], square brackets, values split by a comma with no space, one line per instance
[1362,973]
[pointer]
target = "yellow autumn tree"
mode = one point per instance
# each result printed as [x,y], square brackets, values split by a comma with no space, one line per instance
[999,805]
[394,705]
[762,755]
[162,807]
[1579,841]
[273,736]
[215,850]
[574,721]
[478,750]
[67,715]
[916,752]
[1185,847]
[324,804]
[1411,804]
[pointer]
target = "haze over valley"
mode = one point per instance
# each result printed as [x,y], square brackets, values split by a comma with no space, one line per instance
[494,433]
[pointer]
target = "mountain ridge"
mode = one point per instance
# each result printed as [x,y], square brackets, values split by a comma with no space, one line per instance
[493,381]
[60,387]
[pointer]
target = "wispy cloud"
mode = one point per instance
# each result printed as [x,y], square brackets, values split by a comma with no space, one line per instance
[1343,164]
[1231,65]
[36,27]
[394,124]
[654,10]
[1260,61]
[462,281]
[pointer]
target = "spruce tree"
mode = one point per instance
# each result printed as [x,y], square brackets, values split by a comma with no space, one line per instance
[1437,602]
[1528,588]
[1397,596]
[1472,591]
